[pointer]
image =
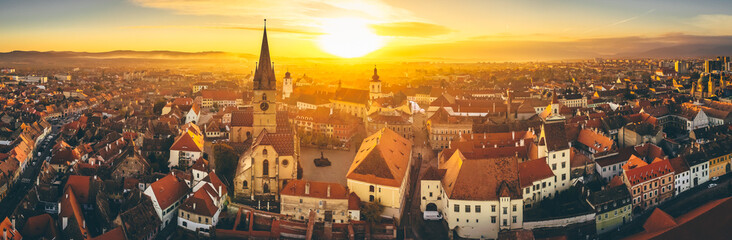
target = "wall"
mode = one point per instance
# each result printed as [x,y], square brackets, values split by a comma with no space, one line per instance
[560,222]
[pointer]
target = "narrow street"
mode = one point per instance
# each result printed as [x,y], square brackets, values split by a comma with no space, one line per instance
[27,179]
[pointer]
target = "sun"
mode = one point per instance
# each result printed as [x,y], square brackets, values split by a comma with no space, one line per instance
[349,38]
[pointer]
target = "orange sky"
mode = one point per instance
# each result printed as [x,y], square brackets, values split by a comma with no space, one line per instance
[379,29]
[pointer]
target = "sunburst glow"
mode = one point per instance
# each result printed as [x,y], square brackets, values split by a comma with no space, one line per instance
[349,38]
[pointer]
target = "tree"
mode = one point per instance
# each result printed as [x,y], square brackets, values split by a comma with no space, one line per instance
[159,105]
[226,159]
[371,212]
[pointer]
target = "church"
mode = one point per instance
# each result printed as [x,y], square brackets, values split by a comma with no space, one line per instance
[273,157]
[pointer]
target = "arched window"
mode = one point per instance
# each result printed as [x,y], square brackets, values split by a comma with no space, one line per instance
[265,188]
[264,97]
[371,188]
[264,152]
[265,168]
[245,184]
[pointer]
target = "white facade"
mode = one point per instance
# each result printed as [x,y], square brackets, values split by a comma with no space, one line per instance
[610,171]
[193,226]
[286,86]
[700,121]
[391,198]
[165,215]
[538,191]
[177,155]
[192,116]
[699,174]
[682,182]
[482,219]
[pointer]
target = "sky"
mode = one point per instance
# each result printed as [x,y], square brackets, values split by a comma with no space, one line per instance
[356,28]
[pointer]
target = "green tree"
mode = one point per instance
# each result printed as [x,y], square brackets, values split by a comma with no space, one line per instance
[371,212]
[226,159]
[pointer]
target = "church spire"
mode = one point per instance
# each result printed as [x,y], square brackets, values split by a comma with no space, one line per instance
[264,78]
[375,77]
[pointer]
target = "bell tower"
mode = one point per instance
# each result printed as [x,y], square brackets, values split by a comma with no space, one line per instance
[374,86]
[265,85]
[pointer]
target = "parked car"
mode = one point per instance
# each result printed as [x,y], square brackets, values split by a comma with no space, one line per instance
[714,179]
[712,185]
[431,215]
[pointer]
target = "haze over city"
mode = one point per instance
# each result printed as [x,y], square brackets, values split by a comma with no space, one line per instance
[384,30]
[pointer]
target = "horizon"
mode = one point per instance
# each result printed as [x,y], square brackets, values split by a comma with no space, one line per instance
[354,29]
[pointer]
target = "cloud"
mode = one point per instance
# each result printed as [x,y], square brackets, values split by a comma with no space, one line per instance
[258,28]
[295,12]
[410,29]
[714,24]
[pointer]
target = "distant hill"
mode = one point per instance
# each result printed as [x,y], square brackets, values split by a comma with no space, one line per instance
[20,55]
[684,50]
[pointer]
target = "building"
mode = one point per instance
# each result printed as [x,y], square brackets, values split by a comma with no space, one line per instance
[613,208]
[187,147]
[682,175]
[443,128]
[374,86]
[649,184]
[351,101]
[477,197]
[267,166]
[287,86]
[380,171]
[537,181]
[327,200]
[553,145]
[221,98]
[167,194]
[639,133]
[711,66]
[200,211]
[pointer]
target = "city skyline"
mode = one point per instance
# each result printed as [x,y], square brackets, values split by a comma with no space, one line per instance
[479,30]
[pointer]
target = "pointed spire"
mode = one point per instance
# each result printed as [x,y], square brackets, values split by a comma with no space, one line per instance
[375,77]
[264,78]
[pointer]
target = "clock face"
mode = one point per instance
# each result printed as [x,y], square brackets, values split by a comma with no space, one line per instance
[264,106]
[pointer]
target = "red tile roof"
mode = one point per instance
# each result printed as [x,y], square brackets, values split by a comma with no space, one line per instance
[81,186]
[114,234]
[202,202]
[710,221]
[317,189]
[283,143]
[12,233]
[168,190]
[40,226]
[533,170]
[651,171]
[70,208]
[383,158]
[189,141]
[482,179]
[595,140]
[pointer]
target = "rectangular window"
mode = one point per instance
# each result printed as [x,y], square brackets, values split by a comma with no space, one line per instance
[514,207]
[505,222]
[477,208]
[505,210]
[467,208]
[457,208]
[514,219]
[493,219]
[564,164]
[493,208]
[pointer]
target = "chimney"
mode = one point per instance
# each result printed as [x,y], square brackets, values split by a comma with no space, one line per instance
[13,223]
[83,223]
[220,193]
[513,135]
[307,188]
[328,191]
[194,206]
[64,222]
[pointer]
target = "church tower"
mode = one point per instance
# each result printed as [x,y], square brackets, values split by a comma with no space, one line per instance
[286,85]
[375,86]
[264,100]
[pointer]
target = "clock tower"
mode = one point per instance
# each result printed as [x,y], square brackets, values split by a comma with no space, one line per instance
[264,101]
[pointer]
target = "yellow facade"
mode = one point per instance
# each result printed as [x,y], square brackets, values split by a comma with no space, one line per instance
[719,166]
[613,219]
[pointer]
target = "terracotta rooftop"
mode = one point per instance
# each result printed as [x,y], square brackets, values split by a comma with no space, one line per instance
[317,189]
[533,170]
[40,227]
[481,179]
[651,171]
[283,143]
[168,190]
[710,221]
[383,158]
